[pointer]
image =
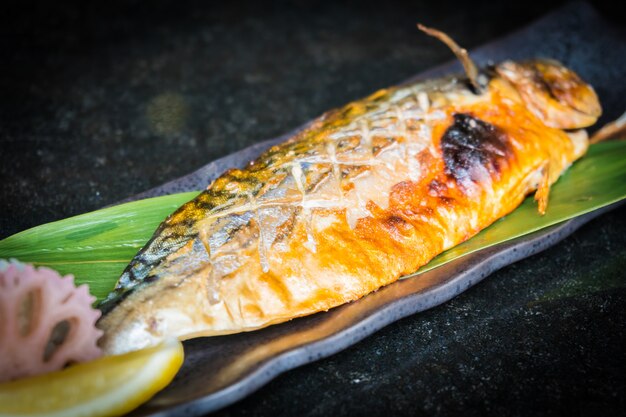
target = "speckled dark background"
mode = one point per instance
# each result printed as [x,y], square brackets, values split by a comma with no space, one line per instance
[104,100]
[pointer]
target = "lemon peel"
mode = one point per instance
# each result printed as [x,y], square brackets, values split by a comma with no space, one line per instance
[109,386]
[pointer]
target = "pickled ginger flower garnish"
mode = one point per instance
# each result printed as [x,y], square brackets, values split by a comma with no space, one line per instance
[46,322]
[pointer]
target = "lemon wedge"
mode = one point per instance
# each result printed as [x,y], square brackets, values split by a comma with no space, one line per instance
[109,386]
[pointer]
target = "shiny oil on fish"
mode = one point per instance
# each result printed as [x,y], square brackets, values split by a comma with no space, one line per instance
[364,195]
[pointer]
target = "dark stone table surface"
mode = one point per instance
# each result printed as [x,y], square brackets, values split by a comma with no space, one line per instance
[100,101]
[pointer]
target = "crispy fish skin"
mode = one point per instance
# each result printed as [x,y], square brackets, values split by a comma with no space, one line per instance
[366,194]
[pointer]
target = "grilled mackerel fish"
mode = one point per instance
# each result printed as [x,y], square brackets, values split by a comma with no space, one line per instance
[364,195]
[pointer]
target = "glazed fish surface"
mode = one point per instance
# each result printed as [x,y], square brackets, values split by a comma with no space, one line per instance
[364,195]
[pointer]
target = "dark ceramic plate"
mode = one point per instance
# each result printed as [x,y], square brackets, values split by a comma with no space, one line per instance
[221,370]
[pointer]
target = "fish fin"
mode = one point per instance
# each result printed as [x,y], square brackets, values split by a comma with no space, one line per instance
[610,130]
[471,70]
[543,191]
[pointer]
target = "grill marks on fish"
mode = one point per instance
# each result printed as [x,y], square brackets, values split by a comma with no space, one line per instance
[313,171]
[339,209]
[473,150]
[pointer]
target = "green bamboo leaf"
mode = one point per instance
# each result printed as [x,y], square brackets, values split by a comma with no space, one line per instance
[595,181]
[96,246]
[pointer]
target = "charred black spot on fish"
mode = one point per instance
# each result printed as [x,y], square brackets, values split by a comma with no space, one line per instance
[446,201]
[473,149]
[436,188]
[396,225]
[395,221]
[439,190]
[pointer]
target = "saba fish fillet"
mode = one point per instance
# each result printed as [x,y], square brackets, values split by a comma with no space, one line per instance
[364,195]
